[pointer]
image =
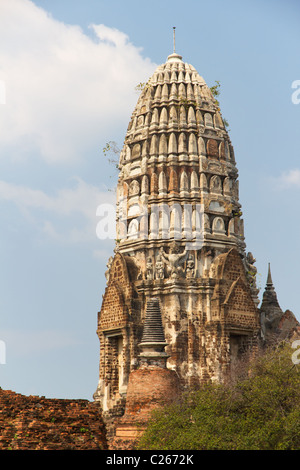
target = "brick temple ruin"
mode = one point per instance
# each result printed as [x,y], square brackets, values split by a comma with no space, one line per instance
[180,244]
[181,304]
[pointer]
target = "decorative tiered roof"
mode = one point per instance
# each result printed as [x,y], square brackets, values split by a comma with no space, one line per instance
[153,328]
[177,151]
[270,306]
[153,340]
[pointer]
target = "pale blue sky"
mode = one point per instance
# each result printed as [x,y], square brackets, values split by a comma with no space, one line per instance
[69,90]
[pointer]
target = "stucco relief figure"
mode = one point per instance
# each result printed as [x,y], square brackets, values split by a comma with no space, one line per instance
[173,260]
[108,268]
[190,266]
[159,268]
[251,269]
[149,269]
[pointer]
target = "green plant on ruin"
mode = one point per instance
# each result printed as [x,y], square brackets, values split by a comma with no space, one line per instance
[215,90]
[259,281]
[83,429]
[251,274]
[185,103]
[259,410]
[142,86]
[237,213]
[110,150]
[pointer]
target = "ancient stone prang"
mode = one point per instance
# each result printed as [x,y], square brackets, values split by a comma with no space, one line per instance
[180,240]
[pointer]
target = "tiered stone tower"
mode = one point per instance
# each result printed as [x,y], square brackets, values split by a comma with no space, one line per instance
[180,240]
[276,325]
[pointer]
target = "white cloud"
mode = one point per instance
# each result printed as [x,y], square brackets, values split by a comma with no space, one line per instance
[289,179]
[69,215]
[83,198]
[111,35]
[65,90]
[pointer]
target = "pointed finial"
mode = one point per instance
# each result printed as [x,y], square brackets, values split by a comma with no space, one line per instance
[269,279]
[174,27]
[174,57]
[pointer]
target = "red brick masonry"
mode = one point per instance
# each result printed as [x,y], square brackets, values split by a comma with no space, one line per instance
[149,388]
[39,423]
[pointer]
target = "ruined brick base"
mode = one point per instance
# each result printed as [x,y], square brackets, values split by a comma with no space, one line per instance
[149,388]
[39,423]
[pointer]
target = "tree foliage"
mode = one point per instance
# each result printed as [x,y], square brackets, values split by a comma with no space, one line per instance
[259,412]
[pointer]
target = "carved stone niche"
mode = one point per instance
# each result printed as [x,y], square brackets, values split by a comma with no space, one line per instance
[134,188]
[136,151]
[208,120]
[218,226]
[215,184]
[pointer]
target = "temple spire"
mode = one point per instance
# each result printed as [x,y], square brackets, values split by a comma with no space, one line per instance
[174,57]
[269,278]
[269,301]
[174,49]
[269,283]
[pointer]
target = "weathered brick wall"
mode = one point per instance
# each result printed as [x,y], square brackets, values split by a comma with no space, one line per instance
[119,331]
[150,388]
[232,292]
[230,267]
[240,306]
[117,298]
[113,311]
[39,423]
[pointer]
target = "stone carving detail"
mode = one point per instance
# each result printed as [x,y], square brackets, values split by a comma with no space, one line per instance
[201,144]
[149,269]
[208,120]
[173,260]
[145,185]
[134,188]
[133,229]
[109,263]
[159,268]
[215,184]
[218,225]
[190,267]
[251,269]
